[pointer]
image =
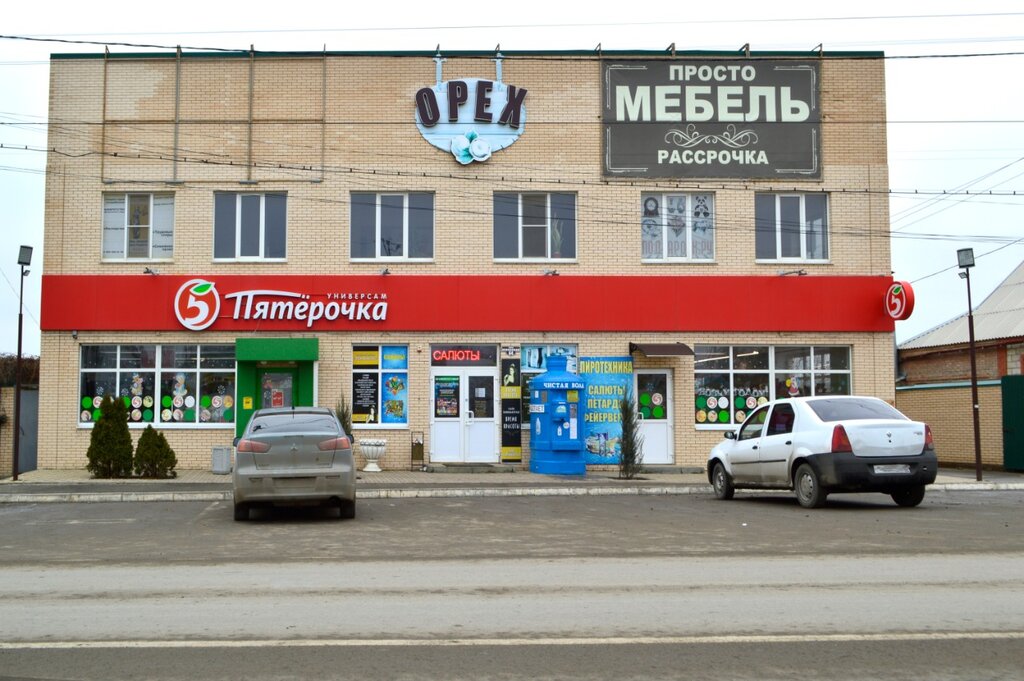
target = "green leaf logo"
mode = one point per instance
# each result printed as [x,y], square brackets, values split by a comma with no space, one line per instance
[897,290]
[202,288]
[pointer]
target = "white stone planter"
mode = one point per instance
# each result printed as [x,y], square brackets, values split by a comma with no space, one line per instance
[372,451]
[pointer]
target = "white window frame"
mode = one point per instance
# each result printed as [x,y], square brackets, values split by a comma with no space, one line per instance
[772,372]
[156,370]
[665,258]
[125,226]
[263,229]
[548,256]
[802,196]
[378,207]
[379,372]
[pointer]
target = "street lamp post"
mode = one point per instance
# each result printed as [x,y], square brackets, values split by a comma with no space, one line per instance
[965,260]
[24,259]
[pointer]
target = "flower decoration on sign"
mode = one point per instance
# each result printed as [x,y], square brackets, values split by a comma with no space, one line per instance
[470,147]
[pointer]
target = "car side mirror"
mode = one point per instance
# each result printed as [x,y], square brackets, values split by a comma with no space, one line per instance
[730,435]
[234,443]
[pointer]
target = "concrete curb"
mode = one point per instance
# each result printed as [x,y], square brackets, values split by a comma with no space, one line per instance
[451,492]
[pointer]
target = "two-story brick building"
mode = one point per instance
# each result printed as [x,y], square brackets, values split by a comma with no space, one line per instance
[416,232]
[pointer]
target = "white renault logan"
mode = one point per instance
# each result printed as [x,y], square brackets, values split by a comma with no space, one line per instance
[820,445]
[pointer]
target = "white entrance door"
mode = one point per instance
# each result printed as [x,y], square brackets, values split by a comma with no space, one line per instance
[653,391]
[465,425]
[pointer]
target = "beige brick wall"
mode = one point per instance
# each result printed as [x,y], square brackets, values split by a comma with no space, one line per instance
[349,121]
[948,412]
[7,432]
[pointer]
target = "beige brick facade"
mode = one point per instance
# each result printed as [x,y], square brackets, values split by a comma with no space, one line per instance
[320,127]
[948,412]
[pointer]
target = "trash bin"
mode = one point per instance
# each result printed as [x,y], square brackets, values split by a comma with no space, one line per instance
[221,460]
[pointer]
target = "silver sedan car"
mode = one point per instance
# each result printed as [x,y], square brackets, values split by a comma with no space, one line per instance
[819,445]
[294,456]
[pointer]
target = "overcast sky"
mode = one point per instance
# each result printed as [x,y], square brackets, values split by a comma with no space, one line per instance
[955,121]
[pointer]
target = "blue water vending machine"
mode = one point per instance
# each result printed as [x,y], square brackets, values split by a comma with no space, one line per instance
[556,421]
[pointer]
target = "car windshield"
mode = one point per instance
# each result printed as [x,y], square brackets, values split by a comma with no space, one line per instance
[854,410]
[303,421]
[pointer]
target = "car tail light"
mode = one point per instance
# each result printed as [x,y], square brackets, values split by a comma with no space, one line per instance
[840,441]
[929,443]
[334,443]
[253,446]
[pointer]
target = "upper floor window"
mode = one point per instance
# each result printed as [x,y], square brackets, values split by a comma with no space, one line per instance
[138,226]
[249,226]
[791,226]
[399,226]
[677,227]
[534,226]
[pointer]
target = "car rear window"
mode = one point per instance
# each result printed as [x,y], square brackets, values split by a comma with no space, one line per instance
[853,410]
[296,421]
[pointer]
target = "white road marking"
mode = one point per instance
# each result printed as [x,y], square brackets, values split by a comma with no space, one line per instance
[481,642]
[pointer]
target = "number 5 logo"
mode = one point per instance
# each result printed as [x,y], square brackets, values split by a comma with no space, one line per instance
[197,304]
[899,300]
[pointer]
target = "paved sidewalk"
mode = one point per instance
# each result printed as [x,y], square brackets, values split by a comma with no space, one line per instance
[65,486]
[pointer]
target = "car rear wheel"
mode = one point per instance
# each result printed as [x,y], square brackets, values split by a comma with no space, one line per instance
[721,482]
[808,487]
[909,496]
[241,511]
[346,509]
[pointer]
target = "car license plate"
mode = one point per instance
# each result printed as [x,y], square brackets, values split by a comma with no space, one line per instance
[892,468]
[294,482]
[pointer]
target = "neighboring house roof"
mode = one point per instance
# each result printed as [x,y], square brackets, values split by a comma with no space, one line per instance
[1001,315]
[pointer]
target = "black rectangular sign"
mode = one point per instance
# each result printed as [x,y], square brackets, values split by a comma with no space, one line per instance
[684,118]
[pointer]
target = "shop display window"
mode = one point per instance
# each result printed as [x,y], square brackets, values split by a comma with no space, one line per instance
[392,226]
[138,226]
[732,381]
[249,226]
[534,363]
[534,226]
[168,385]
[677,227]
[791,227]
[380,385]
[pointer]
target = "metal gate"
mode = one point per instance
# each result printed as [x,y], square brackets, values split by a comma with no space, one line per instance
[1013,423]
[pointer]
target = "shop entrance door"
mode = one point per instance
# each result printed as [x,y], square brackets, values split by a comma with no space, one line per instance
[278,388]
[464,426]
[652,389]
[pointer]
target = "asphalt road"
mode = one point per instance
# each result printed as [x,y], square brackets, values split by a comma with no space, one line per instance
[538,587]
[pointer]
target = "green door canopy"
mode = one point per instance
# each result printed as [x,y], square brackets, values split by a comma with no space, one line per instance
[277,349]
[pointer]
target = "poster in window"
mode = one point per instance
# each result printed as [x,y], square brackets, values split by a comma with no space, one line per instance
[366,356]
[394,357]
[511,406]
[365,395]
[395,403]
[446,397]
[608,380]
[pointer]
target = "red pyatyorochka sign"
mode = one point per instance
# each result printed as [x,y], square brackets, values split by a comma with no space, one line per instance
[899,300]
[197,306]
[311,303]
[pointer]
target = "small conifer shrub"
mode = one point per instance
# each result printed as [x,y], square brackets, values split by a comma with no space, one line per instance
[631,445]
[154,457]
[110,445]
